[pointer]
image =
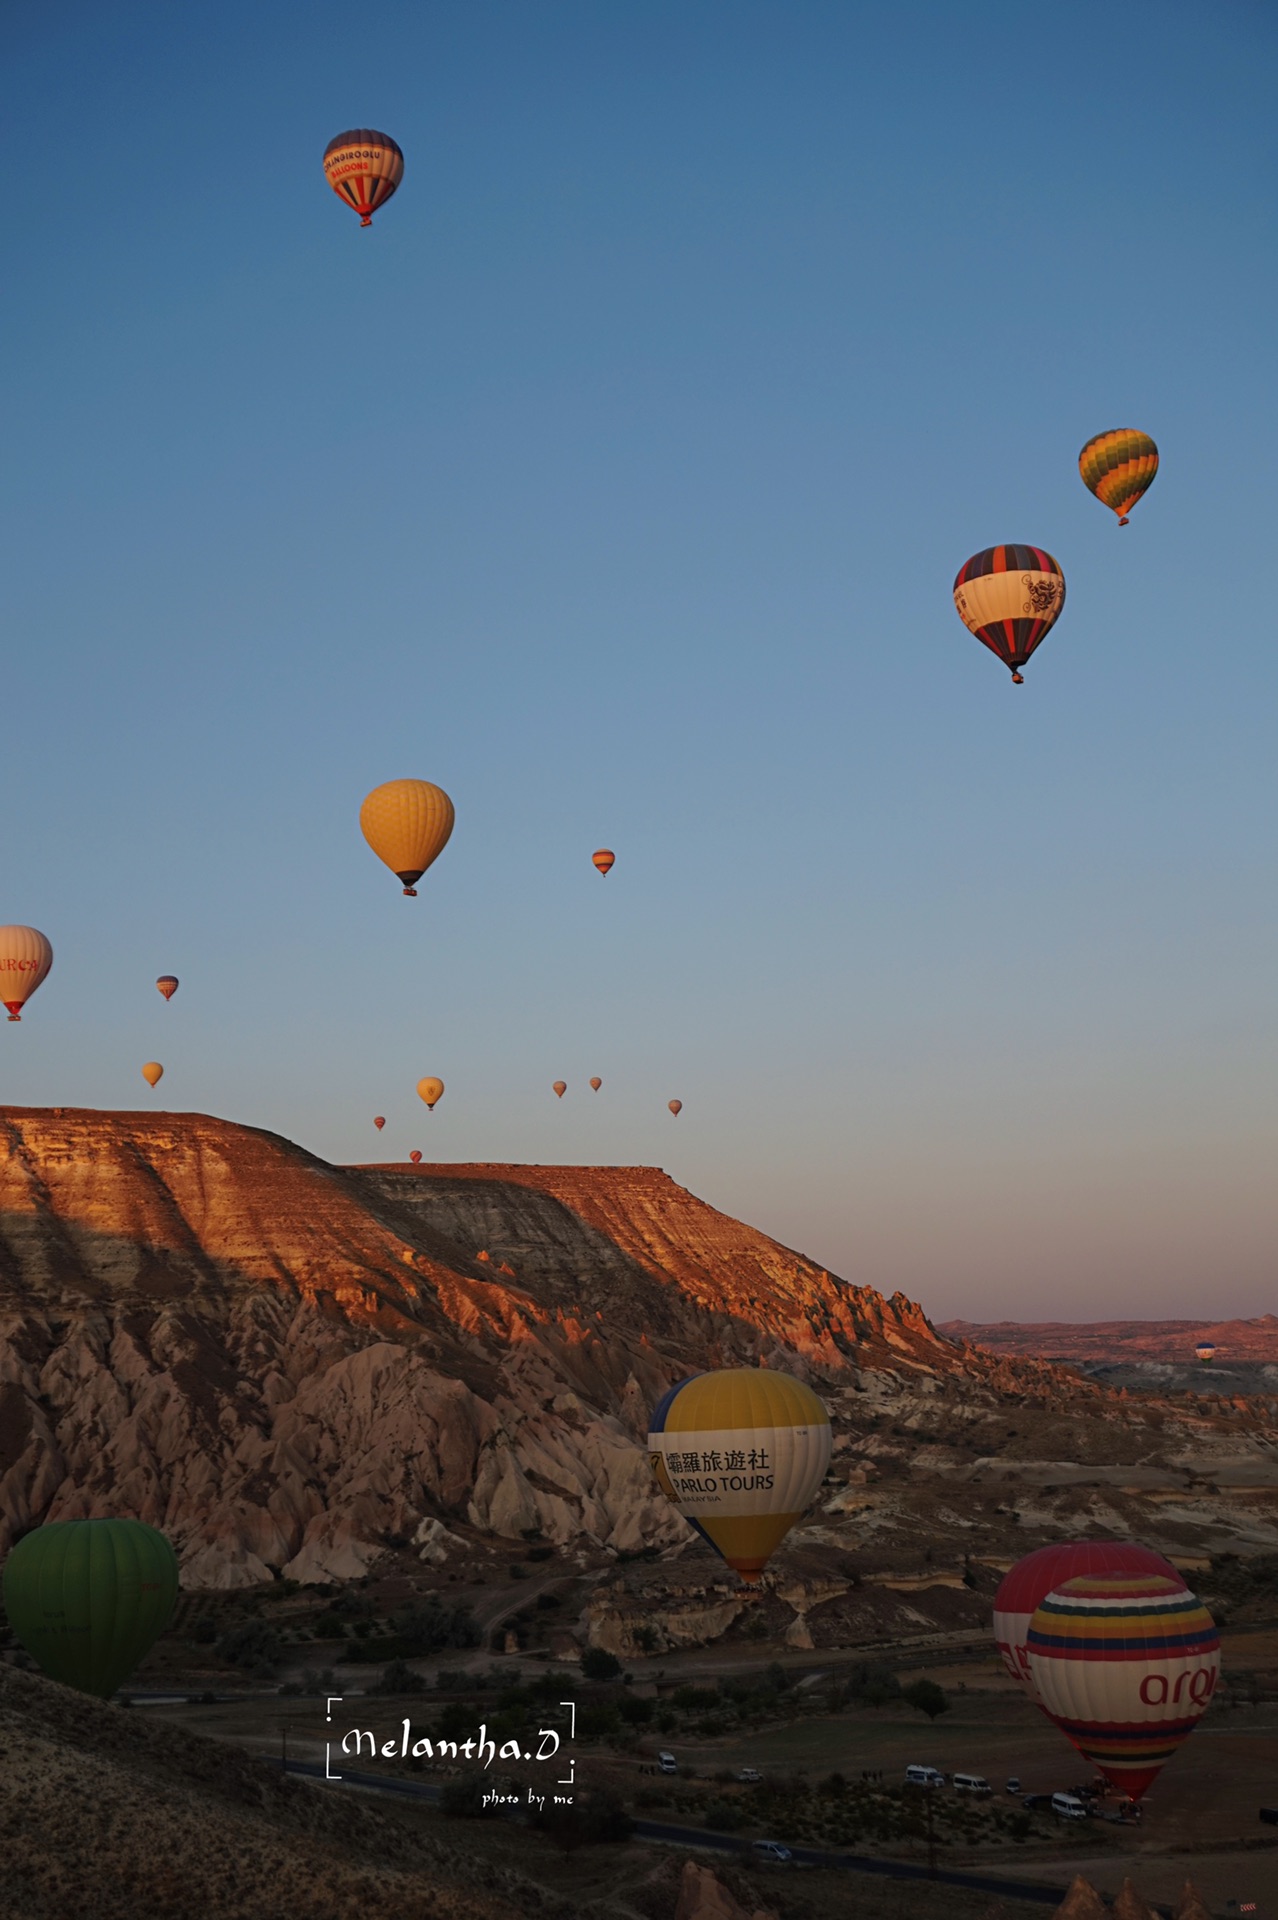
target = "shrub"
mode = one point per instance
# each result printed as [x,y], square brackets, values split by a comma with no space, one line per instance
[254,1646]
[598,1664]
[593,1815]
[926,1697]
[397,1677]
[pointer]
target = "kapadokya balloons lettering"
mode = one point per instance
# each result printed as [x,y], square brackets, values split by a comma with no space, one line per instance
[1032,1579]
[604,860]
[25,959]
[560,1087]
[1010,597]
[379,1121]
[87,1598]
[1119,468]
[1126,1665]
[415,1156]
[167,984]
[595,1082]
[676,1107]
[407,824]
[431,1091]
[741,1454]
[364,168]
[152,1073]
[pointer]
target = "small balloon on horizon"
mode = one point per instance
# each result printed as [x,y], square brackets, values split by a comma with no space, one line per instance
[676,1107]
[167,984]
[560,1088]
[605,860]
[379,1121]
[596,1083]
[153,1073]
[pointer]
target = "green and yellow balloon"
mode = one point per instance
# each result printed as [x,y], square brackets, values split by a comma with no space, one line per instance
[1119,468]
[87,1598]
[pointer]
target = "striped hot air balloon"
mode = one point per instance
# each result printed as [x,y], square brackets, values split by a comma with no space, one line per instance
[1126,1665]
[1010,597]
[605,860]
[1033,1578]
[741,1454]
[363,168]
[1119,468]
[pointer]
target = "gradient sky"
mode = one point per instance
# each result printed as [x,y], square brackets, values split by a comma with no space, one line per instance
[617,480]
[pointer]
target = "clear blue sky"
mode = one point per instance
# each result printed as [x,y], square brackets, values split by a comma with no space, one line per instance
[616,480]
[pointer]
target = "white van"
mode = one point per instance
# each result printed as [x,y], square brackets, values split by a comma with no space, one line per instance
[1068,1806]
[666,1763]
[772,1850]
[971,1783]
[924,1777]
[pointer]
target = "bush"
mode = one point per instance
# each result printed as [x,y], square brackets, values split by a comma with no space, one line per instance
[204,1631]
[431,1625]
[398,1678]
[598,1664]
[635,1710]
[926,1697]
[592,1816]
[464,1799]
[254,1646]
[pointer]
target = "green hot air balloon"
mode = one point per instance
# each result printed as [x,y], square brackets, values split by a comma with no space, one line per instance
[87,1598]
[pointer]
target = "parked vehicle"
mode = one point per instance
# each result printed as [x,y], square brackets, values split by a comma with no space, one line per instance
[773,1851]
[750,1777]
[1068,1806]
[923,1777]
[1013,1783]
[666,1763]
[1035,1802]
[974,1783]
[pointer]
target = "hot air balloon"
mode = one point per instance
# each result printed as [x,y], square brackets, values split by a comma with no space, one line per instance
[676,1107]
[604,860]
[1205,1351]
[379,1121]
[1119,468]
[561,1088]
[1126,1665]
[152,1073]
[430,1091]
[167,984]
[25,959]
[415,1156]
[407,824]
[596,1083]
[741,1454]
[364,168]
[1032,1579]
[1009,597]
[87,1598]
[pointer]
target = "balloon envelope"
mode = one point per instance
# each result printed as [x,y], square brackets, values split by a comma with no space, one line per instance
[415,1156]
[25,959]
[167,984]
[741,1454]
[87,1598]
[675,1106]
[407,824]
[430,1090]
[1010,597]
[1205,1350]
[561,1088]
[604,860]
[1119,468]
[1126,1665]
[1032,1579]
[152,1072]
[379,1121]
[596,1082]
[364,168]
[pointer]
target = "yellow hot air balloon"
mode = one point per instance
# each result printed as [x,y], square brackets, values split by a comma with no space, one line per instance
[431,1091]
[407,824]
[741,1454]
[152,1073]
[596,1082]
[25,959]
[676,1107]
[560,1087]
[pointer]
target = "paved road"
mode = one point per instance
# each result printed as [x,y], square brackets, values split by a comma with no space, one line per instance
[728,1843]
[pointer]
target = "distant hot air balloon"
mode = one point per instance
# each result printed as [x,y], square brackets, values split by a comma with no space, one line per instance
[25,959]
[1009,597]
[560,1087]
[604,860]
[1119,468]
[1205,1351]
[431,1091]
[407,824]
[364,168]
[379,1121]
[676,1107]
[596,1082]
[741,1454]
[1032,1579]
[168,984]
[415,1156]
[152,1073]
[1126,1665]
[87,1598]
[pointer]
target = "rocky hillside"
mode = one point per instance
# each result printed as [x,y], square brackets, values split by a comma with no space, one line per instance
[288,1365]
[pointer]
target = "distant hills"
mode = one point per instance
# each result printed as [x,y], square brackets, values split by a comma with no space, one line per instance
[1171,1342]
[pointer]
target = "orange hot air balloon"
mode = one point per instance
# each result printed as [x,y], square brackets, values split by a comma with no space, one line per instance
[676,1107]
[604,860]
[363,168]
[407,824]
[415,1156]
[379,1121]
[431,1091]
[167,984]
[596,1083]
[153,1073]
[25,959]
[561,1088]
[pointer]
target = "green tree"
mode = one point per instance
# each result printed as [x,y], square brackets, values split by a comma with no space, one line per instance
[926,1697]
[597,1664]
